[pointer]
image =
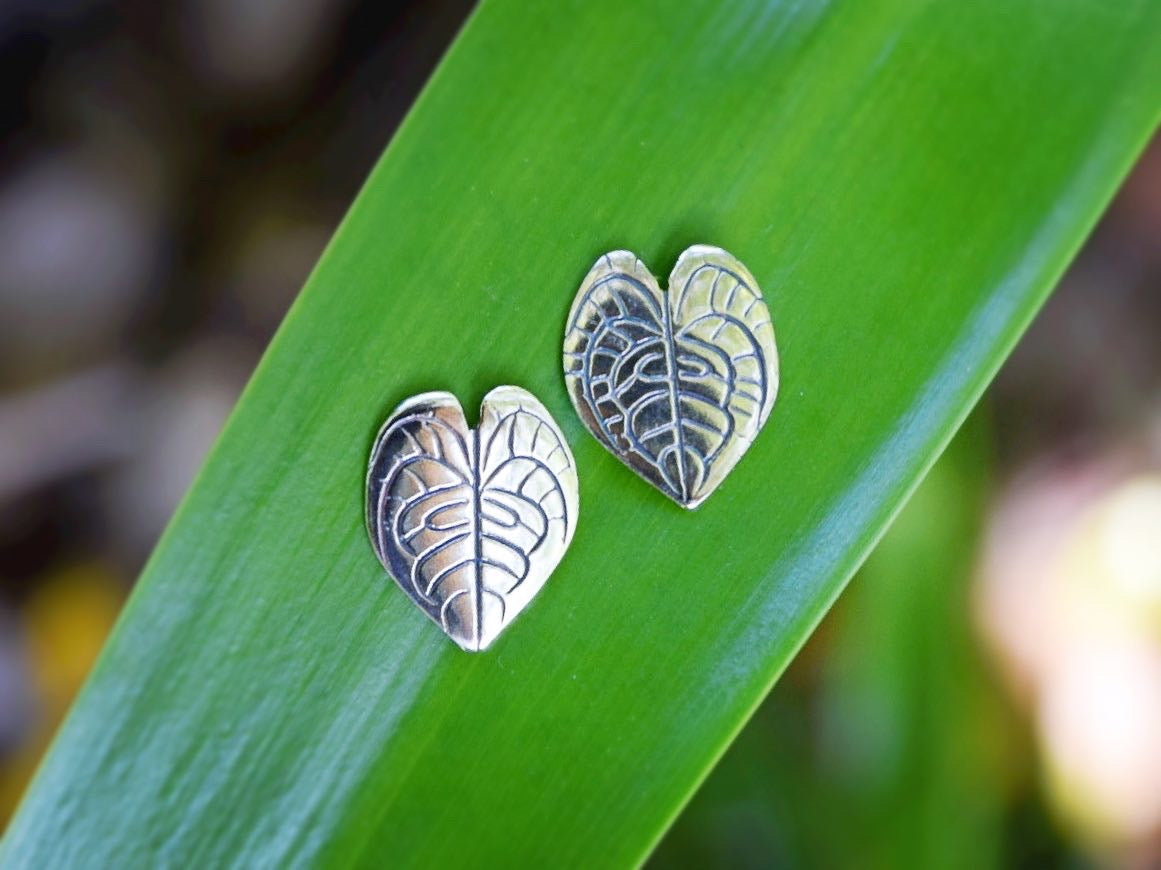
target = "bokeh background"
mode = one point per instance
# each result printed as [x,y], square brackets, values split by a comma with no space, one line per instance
[987,692]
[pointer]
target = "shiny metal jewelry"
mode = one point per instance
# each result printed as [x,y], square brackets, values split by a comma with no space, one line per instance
[677,384]
[471,523]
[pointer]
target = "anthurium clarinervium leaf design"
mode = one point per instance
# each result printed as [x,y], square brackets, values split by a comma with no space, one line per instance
[471,523]
[676,384]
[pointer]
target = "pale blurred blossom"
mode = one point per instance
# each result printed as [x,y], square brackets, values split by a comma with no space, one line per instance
[256,44]
[76,251]
[179,419]
[1070,598]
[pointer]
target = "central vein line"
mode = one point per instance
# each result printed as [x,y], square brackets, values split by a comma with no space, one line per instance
[477,539]
[674,400]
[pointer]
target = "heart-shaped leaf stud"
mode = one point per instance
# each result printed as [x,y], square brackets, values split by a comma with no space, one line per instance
[470,523]
[677,384]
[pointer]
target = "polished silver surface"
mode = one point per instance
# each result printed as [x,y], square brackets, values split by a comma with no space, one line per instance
[470,523]
[677,384]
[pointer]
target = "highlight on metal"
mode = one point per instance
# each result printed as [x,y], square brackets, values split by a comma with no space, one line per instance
[677,385]
[471,523]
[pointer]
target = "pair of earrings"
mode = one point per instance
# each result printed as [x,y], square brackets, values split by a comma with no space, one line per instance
[471,523]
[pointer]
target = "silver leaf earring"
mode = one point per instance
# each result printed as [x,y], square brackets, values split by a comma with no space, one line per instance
[677,384]
[471,523]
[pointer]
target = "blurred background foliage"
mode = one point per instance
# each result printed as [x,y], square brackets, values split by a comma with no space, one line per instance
[988,690]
